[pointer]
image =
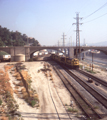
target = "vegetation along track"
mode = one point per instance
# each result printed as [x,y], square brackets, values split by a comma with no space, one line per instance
[102,82]
[102,99]
[83,103]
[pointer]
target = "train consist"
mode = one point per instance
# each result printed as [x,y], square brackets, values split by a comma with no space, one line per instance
[72,63]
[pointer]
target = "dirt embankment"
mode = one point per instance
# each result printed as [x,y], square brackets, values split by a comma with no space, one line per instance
[10,89]
[8,104]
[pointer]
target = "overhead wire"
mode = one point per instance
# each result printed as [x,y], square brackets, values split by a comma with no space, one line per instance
[95,11]
[69,29]
[96,18]
[72,25]
[92,14]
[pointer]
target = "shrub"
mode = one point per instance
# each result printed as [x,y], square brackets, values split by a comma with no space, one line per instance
[72,110]
[38,71]
[32,103]
[51,78]
[95,107]
[80,66]
[66,104]
[0,101]
[30,60]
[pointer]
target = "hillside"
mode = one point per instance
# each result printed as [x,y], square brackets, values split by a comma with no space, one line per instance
[10,38]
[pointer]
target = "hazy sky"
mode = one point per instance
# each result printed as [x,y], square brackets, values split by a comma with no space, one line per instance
[47,20]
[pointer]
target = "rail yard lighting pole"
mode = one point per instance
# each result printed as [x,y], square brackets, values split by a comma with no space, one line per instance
[92,60]
[96,52]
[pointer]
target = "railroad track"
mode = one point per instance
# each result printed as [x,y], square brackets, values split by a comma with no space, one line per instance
[58,115]
[83,103]
[53,101]
[102,99]
[100,81]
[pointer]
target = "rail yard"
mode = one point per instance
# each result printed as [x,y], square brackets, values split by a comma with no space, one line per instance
[47,72]
[63,93]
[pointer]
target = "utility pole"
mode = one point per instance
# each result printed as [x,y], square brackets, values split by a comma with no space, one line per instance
[58,43]
[27,41]
[70,41]
[84,42]
[73,43]
[77,33]
[63,39]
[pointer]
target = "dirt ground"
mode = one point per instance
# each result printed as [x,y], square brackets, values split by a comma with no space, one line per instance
[50,90]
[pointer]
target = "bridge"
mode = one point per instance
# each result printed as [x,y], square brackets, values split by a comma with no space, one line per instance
[29,50]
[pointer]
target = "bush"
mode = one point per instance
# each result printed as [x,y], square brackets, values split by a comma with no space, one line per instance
[30,60]
[0,101]
[33,102]
[80,66]
[71,110]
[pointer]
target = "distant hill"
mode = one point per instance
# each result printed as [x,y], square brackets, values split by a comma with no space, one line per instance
[104,43]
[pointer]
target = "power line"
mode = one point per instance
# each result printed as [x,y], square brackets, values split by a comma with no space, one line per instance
[68,32]
[96,11]
[96,18]
[69,29]
[83,7]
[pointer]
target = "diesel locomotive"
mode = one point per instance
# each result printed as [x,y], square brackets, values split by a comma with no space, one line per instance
[72,63]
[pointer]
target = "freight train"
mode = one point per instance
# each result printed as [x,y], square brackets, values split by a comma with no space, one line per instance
[72,63]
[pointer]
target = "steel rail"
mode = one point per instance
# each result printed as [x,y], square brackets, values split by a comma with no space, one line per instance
[76,95]
[91,90]
[104,83]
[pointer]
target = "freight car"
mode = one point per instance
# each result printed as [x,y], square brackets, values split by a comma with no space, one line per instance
[4,57]
[72,63]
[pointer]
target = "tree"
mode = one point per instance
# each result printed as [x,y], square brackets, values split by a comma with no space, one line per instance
[1,42]
[8,38]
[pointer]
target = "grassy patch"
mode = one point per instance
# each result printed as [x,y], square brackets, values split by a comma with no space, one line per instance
[98,72]
[0,101]
[66,105]
[30,60]
[80,66]
[33,103]
[72,110]
[95,107]
[93,72]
